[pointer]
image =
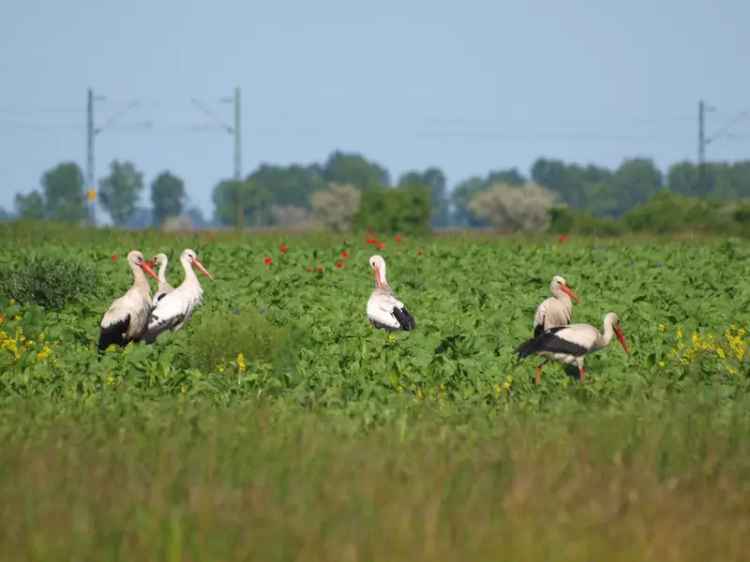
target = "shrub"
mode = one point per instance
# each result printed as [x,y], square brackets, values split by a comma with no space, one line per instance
[404,209]
[509,207]
[49,281]
[667,213]
[218,337]
[336,206]
[564,220]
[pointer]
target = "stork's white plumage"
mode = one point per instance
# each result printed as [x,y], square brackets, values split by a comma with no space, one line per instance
[164,287]
[127,317]
[384,310]
[570,344]
[176,308]
[556,310]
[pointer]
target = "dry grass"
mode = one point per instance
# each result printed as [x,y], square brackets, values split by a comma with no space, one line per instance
[247,484]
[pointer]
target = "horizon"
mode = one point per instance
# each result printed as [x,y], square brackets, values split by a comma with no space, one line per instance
[459,88]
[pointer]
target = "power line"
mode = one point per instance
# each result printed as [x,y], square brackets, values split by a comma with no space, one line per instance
[234,130]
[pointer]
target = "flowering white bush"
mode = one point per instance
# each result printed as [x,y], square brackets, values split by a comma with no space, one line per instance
[508,207]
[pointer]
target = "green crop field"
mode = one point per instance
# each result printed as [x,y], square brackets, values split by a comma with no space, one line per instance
[278,425]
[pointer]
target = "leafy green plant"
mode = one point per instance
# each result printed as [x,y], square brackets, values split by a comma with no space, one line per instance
[47,280]
[236,338]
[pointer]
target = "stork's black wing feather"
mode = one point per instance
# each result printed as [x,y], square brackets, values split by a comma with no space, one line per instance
[114,334]
[550,342]
[405,319]
[539,329]
[156,326]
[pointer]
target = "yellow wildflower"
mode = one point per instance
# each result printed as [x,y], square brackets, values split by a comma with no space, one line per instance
[43,354]
[241,364]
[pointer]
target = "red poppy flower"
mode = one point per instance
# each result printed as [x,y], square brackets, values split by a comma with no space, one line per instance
[563,238]
[371,240]
[381,245]
[267,260]
[344,254]
[397,238]
[283,248]
[114,257]
[339,265]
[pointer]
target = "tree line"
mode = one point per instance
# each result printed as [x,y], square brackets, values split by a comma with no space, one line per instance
[349,191]
[62,196]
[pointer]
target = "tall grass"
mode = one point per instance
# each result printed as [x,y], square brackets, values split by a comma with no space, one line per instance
[176,481]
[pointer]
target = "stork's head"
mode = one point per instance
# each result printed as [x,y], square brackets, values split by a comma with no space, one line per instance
[377,264]
[136,260]
[160,260]
[612,319]
[559,286]
[190,257]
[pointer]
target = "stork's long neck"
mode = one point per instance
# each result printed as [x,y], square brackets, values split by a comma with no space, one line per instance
[607,334]
[163,273]
[139,280]
[380,280]
[190,277]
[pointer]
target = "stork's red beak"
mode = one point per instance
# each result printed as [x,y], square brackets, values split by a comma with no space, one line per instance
[202,269]
[621,338]
[146,266]
[568,291]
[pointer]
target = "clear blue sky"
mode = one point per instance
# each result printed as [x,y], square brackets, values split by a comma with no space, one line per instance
[468,86]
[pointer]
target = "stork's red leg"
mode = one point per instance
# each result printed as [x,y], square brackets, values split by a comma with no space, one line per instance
[581,374]
[538,373]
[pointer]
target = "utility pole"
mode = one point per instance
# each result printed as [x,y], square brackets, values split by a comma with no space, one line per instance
[90,182]
[91,131]
[236,132]
[703,141]
[701,133]
[237,135]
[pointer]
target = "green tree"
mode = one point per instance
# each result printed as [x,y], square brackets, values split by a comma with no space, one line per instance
[31,206]
[63,193]
[242,203]
[635,181]
[682,178]
[462,195]
[288,185]
[405,210]
[356,170]
[119,192]
[228,198]
[167,196]
[433,179]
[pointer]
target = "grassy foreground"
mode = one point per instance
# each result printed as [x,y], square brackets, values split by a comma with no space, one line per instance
[177,481]
[279,426]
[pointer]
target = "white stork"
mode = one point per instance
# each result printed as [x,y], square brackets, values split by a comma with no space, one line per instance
[164,287]
[176,308]
[557,309]
[384,310]
[569,344]
[127,317]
